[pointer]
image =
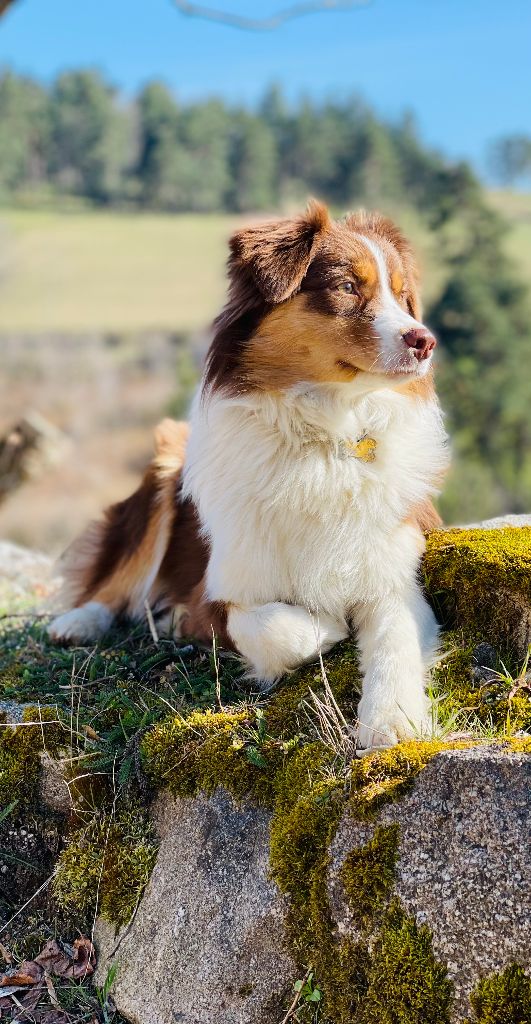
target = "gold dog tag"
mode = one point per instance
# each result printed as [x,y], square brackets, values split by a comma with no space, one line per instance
[364,449]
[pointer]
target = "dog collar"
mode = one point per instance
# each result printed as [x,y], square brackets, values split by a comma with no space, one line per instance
[363,449]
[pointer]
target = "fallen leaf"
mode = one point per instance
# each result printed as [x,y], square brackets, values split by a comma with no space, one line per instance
[53,959]
[84,958]
[28,973]
[80,964]
[31,996]
[8,990]
[90,732]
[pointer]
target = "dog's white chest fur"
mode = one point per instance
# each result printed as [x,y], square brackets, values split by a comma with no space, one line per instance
[289,515]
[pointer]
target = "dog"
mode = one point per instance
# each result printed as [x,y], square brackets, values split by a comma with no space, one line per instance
[293,509]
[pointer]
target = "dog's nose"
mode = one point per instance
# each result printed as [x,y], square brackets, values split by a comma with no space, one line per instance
[421,341]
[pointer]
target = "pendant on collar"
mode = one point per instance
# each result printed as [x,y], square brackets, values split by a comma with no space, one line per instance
[363,449]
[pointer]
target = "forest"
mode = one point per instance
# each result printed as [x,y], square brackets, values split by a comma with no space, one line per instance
[79,140]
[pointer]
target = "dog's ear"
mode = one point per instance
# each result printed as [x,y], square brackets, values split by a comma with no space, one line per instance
[277,254]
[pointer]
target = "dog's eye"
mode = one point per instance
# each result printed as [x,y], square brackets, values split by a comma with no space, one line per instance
[347,287]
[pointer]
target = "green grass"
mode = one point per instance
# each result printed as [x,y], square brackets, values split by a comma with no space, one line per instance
[92,270]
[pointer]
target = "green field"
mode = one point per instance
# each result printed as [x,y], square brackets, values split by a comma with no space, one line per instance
[96,270]
[110,271]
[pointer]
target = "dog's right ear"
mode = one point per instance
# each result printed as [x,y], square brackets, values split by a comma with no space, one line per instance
[277,254]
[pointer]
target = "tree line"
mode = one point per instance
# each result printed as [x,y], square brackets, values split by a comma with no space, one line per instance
[80,138]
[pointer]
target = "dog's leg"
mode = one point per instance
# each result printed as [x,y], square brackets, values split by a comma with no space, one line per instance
[394,634]
[274,638]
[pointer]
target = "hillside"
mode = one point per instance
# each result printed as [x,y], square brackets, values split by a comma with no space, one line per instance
[91,270]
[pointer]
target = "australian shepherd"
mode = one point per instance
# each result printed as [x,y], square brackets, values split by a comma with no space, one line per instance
[292,510]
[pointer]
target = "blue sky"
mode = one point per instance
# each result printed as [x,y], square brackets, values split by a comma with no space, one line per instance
[462,66]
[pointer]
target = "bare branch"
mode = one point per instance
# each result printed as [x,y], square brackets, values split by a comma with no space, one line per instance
[4,4]
[273,21]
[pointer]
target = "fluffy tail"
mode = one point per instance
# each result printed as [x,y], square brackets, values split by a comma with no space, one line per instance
[112,568]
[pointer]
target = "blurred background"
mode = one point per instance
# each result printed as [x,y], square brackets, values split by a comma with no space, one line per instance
[136,134]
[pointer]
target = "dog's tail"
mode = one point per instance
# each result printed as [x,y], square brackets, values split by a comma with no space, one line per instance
[112,568]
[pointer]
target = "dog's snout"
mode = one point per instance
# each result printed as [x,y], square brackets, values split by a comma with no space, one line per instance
[421,341]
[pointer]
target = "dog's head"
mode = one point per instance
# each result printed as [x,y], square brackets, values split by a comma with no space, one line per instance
[317,301]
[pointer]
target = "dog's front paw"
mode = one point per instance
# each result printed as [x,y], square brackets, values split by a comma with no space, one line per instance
[88,622]
[382,725]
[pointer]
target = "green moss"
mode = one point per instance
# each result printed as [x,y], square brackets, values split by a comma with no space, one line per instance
[20,750]
[308,806]
[517,710]
[405,983]
[207,750]
[386,775]
[452,675]
[106,866]
[502,998]
[470,576]
[354,973]
[368,873]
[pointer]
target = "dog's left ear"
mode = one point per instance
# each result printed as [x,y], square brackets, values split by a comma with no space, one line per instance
[277,254]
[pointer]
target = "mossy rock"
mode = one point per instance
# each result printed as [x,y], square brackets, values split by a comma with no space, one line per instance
[481,580]
[387,900]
